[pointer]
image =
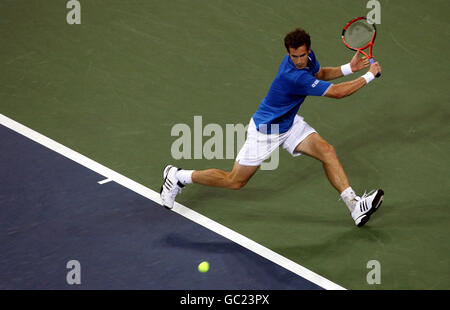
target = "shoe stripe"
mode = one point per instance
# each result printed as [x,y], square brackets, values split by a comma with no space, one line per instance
[181,185]
[363,206]
[169,182]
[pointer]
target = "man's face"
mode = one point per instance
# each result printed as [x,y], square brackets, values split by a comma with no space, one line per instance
[299,56]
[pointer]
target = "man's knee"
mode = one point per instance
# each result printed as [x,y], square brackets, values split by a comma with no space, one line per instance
[240,175]
[328,152]
[237,184]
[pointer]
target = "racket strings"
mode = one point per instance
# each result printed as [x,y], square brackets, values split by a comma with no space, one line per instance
[359,34]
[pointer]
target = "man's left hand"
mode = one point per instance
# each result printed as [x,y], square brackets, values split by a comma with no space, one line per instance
[359,63]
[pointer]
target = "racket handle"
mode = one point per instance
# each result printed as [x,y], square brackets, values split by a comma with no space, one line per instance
[372,61]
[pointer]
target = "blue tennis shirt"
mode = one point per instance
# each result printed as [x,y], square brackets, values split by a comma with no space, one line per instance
[287,92]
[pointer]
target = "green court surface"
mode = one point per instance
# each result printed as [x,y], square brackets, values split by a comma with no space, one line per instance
[113,87]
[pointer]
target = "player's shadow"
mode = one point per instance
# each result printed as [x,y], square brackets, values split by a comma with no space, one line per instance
[338,244]
[234,258]
[184,241]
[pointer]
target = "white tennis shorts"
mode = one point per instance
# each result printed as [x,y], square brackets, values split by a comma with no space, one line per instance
[259,146]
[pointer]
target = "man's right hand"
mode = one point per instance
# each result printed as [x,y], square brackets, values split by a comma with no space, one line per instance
[375,68]
[345,89]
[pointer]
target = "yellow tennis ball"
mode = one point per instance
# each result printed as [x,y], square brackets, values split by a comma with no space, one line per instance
[203,267]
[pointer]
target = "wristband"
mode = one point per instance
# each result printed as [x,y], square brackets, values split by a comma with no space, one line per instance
[346,69]
[368,77]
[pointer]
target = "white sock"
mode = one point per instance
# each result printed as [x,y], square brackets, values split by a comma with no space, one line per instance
[348,195]
[185,176]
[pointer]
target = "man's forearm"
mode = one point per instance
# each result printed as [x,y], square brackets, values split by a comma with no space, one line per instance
[345,89]
[330,73]
[348,88]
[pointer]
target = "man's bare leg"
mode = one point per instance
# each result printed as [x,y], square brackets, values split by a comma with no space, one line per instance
[235,179]
[361,208]
[316,146]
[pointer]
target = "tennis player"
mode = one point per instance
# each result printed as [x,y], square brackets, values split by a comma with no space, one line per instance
[276,123]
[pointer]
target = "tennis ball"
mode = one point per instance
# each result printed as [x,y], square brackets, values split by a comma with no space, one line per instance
[203,267]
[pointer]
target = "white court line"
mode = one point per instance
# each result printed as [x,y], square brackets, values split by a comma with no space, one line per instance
[178,208]
[104,181]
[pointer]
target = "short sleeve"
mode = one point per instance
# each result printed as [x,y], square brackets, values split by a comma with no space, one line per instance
[308,85]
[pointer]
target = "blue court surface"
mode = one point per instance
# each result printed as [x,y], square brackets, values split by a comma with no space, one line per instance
[53,210]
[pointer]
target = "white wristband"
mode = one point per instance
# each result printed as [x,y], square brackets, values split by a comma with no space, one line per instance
[346,69]
[368,77]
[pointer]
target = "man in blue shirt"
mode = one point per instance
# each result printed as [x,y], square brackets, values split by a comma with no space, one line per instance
[276,123]
[288,91]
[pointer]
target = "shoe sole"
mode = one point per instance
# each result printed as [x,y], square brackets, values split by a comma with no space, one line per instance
[378,201]
[166,171]
[165,174]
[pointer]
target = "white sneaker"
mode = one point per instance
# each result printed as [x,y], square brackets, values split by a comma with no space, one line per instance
[171,186]
[366,206]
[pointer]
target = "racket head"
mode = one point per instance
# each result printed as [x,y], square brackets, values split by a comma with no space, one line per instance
[359,34]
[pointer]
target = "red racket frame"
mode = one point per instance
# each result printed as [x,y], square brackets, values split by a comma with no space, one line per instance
[370,44]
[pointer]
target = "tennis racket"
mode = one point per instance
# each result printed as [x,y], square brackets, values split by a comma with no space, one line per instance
[358,35]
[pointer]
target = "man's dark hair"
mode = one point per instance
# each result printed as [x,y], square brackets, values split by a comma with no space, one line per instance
[297,38]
